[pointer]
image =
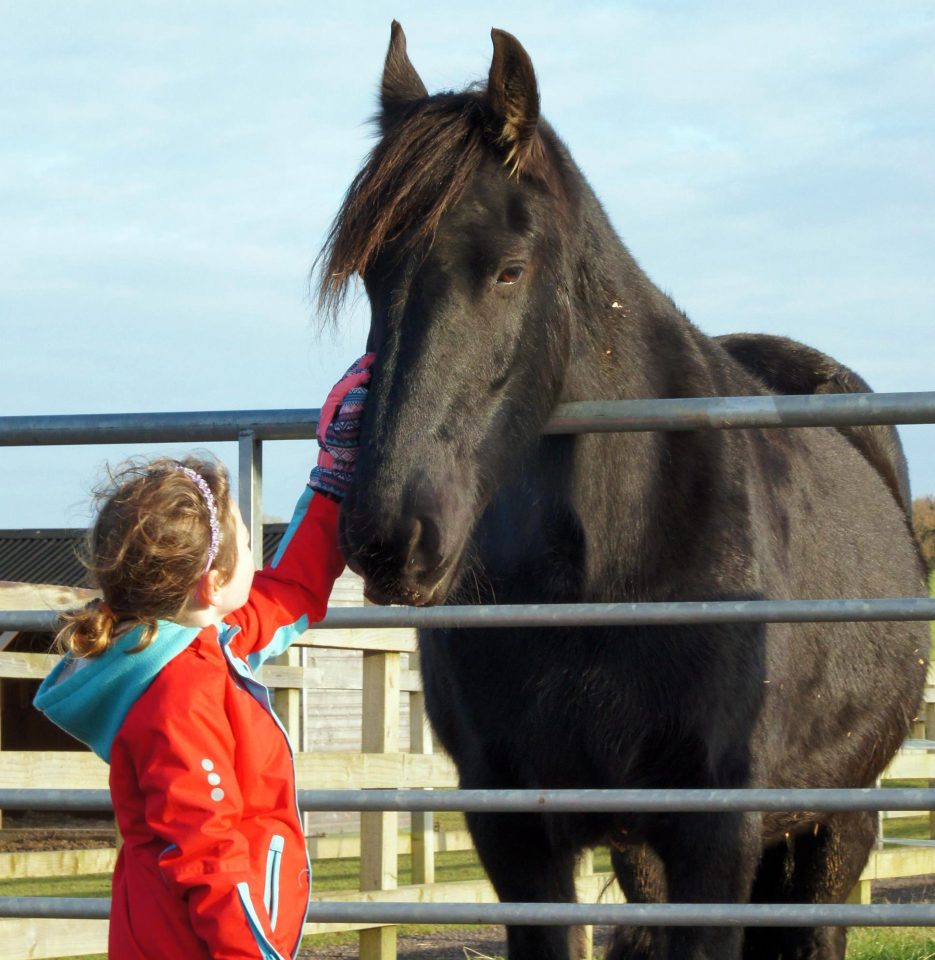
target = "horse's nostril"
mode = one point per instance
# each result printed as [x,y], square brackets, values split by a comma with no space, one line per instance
[415,537]
[422,553]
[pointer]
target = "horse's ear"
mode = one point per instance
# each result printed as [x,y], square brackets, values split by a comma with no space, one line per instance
[401,84]
[514,99]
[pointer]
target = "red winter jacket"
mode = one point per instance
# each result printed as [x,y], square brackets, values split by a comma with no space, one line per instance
[213,864]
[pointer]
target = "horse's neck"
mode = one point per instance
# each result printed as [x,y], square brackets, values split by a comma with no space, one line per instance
[638,496]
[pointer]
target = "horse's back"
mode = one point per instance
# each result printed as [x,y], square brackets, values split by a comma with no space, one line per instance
[786,366]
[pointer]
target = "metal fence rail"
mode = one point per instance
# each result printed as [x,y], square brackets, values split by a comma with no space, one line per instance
[586,614]
[691,413]
[544,801]
[549,914]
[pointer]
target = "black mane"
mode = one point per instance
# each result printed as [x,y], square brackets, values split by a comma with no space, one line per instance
[413,176]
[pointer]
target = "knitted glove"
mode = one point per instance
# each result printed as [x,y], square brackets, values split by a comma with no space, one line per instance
[339,431]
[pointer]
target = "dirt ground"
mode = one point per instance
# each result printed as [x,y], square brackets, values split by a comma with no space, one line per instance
[468,943]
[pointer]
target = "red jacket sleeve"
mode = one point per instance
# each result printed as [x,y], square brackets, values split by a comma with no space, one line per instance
[292,592]
[193,801]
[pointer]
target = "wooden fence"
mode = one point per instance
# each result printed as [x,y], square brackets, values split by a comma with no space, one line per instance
[387,683]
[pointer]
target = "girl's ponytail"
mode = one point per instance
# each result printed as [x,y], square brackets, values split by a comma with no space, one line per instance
[87,632]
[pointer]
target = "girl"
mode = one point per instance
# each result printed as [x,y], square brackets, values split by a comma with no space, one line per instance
[159,681]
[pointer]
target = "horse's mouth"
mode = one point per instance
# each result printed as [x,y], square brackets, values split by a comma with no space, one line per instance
[417,594]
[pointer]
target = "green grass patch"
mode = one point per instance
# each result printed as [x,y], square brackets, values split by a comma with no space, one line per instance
[883,943]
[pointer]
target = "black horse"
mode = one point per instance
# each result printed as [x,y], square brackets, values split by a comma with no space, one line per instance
[499,289]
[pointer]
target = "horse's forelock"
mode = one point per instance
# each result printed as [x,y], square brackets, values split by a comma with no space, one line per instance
[417,172]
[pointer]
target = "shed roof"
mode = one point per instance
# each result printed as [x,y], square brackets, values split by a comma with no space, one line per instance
[51,556]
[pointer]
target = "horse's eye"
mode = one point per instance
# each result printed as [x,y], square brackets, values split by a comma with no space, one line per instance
[510,275]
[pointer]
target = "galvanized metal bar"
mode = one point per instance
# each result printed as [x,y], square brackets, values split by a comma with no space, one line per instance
[579,417]
[176,427]
[549,914]
[97,801]
[250,489]
[618,614]
[56,908]
[729,413]
[627,914]
[588,614]
[629,801]
[543,801]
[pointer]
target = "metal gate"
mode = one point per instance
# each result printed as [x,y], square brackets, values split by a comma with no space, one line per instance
[252,428]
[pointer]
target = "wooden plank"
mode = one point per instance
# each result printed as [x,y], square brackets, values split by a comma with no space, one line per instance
[21,865]
[388,639]
[911,765]
[349,676]
[893,863]
[325,770]
[404,771]
[34,864]
[333,676]
[42,939]
[318,770]
[44,769]
[42,596]
[52,863]
[346,846]
[26,666]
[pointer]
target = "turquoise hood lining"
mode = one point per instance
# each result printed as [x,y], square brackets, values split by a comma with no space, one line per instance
[92,701]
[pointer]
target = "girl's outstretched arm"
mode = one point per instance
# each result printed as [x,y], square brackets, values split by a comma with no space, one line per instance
[292,592]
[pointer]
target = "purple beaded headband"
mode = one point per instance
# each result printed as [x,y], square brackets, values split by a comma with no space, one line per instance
[202,484]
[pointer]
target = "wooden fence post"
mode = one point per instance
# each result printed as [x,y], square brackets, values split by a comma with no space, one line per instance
[422,830]
[378,829]
[581,938]
[930,735]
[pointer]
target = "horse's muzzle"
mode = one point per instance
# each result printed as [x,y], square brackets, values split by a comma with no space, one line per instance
[402,562]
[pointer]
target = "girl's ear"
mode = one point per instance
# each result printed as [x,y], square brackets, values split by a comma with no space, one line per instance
[207,590]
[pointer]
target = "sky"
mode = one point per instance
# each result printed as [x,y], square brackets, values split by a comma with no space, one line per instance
[168,172]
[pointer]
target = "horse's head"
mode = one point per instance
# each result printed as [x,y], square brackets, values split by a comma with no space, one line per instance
[458,224]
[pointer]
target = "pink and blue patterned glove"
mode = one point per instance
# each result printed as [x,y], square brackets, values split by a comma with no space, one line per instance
[339,431]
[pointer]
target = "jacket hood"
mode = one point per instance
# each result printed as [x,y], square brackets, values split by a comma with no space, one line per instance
[89,697]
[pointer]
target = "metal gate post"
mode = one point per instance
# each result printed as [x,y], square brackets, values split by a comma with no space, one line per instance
[250,496]
[250,489]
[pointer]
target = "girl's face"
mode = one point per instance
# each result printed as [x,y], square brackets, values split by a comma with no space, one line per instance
[233,594]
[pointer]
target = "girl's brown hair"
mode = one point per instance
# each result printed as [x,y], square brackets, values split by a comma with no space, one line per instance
[147,549]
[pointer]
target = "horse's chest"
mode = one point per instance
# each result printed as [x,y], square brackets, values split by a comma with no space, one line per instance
[545,703]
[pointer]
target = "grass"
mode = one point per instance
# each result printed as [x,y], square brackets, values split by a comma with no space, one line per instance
[882,943]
